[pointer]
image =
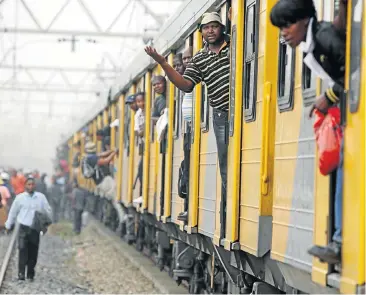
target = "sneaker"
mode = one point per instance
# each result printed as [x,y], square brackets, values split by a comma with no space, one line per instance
[183,216]
[330,254]
[21,277]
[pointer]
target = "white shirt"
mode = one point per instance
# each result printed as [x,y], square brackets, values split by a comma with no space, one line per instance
[24,208]
[187,107]
[308,48]
[139,119]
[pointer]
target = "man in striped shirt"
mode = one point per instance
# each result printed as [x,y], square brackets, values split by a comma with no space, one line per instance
[210,65]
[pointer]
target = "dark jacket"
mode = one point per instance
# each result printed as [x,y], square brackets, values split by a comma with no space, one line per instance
[329,52]
[41,186]
[40,222]
[159,106]
[76,160]
[78,199]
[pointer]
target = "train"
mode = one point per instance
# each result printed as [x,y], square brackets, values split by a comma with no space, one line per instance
[278,203]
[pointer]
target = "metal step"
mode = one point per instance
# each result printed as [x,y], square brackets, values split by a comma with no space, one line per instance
[334,280]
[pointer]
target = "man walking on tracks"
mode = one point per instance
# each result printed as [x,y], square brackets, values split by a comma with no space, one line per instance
[24,210]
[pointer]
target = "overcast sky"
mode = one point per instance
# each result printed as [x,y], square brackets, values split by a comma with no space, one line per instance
[31,123]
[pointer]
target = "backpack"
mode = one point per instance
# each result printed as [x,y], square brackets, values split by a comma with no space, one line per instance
[89,171]
[182,182]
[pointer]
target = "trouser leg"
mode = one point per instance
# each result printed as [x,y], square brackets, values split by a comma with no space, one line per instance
[119,211]
[78,220]
[186,171]
[109,211]
[220,124]
[33,246]
[337,237]
[187,158]
[141,173]
[23,250]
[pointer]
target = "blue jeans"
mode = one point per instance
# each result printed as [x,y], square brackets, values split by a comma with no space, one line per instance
[337,237]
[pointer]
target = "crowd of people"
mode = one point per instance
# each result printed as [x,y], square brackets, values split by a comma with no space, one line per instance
[323,45]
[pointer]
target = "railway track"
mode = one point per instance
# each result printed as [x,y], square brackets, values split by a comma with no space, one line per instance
[8,244]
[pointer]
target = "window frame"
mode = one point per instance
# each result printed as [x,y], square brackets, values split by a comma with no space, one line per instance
[354,92]
[117,129]
[309,93]
[232,80]
[252,60]
[205,109]
[177,113]
[152,125]
[285,102]
[193,115]
[126,140]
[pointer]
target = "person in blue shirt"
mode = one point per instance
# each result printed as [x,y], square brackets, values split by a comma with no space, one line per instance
[23,211]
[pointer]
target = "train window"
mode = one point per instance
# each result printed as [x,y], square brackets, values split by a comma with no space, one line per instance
[356,51]
[308,86]
[232,82]
[152,125]
[336,6]
[205,109]
[117,129]
[177,111]
[193,115]
[250,59]
[228,21]
[127,130]
[286,77]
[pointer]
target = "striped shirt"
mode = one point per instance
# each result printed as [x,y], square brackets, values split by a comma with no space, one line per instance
[213,69]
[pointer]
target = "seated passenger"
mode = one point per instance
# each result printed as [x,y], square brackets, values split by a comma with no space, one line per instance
[323,45]
[180,63]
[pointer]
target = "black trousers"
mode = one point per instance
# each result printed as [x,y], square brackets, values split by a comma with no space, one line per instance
[77,220]
[186,159]
[28,244]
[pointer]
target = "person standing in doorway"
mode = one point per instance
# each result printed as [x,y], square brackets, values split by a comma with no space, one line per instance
[180,62]
[23,211]
[210,65]
[324,52]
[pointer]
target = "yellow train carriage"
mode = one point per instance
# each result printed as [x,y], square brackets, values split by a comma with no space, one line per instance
[278,204]
[154,154]
[177,136]
[353,276]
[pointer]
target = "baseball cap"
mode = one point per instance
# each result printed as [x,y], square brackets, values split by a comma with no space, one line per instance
[130,99]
